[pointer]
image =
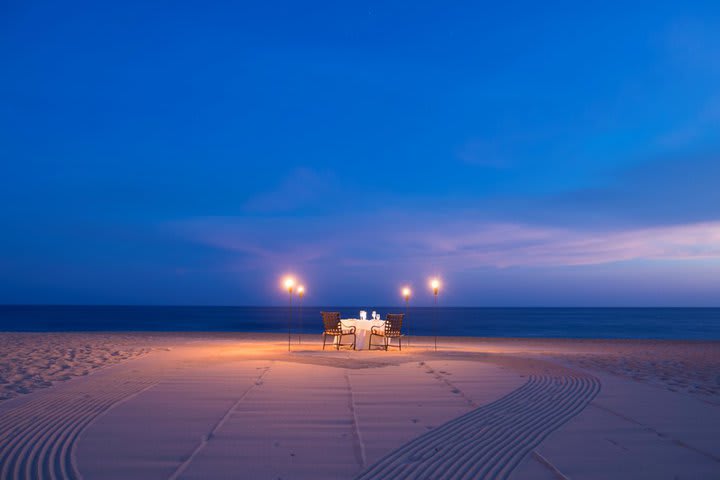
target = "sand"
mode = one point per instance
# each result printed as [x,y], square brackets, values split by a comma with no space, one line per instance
[240,406]
[29,361]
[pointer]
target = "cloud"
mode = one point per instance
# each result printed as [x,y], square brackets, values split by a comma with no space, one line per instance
[302,187]
[395,240]
[527,246]
[666,191]
[664,210]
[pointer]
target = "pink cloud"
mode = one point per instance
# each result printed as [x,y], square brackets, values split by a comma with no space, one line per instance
[522,245]
[391,239]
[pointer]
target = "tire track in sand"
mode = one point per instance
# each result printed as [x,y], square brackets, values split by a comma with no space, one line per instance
[490,441]
[37,439]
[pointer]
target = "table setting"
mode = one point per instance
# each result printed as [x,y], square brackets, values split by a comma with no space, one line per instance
[363,325]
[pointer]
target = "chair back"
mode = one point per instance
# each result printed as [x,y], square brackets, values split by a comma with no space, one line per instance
[331,322]
[393,324]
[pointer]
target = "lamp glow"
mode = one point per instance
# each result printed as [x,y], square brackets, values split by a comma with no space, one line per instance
[289,283]
[435,285]
[406,295]
[300,290]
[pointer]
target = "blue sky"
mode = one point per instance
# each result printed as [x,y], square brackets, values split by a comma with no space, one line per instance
[563,153]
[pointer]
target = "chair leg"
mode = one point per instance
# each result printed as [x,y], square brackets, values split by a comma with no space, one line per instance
[324,339]
[400,343]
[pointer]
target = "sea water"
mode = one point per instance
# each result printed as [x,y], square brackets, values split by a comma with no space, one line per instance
[667,323]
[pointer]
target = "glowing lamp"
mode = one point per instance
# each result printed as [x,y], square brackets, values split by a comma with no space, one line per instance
[300,290]
[435,285]
[289,284]
[406,293]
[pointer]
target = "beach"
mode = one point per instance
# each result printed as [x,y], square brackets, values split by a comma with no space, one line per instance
[239,405]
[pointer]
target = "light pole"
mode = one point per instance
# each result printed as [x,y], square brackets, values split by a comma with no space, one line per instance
[406,295]
[289,284]
[300,293]
[435,284]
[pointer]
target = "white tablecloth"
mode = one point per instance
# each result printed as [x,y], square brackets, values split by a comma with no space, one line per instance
[362,331]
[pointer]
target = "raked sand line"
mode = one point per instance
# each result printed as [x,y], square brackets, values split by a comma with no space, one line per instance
[490,441]
[37,439]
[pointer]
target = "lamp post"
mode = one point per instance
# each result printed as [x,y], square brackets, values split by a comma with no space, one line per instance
[435,285]
[289,284]
[300,293]
[406,295]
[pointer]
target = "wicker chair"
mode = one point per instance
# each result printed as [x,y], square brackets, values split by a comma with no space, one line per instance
[335,329]
[391,329]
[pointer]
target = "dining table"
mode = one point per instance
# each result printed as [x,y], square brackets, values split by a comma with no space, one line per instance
[362,330]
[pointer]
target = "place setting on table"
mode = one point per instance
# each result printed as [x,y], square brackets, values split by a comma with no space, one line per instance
[358,333]
[363,327]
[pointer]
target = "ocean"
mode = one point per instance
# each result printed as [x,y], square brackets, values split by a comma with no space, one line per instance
[664,323]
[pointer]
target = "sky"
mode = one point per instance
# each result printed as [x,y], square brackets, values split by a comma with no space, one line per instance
[527,153]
